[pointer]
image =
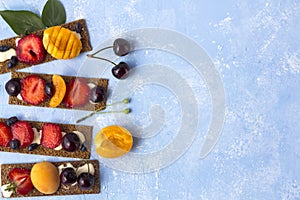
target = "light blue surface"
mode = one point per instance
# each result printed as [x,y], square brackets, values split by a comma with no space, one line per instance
[255,48]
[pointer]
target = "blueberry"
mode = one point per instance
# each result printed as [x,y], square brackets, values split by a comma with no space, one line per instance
[9,65]
[78,27]
[4,48]
[12,62]
[10,121]
[33,146]
[49,89]
[14,144]
[83,148]
[13,86]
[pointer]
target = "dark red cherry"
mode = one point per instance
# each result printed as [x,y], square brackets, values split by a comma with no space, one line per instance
[121,70]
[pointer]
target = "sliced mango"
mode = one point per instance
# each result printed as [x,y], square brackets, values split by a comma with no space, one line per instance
[49,38]
[61,43]
[59,90]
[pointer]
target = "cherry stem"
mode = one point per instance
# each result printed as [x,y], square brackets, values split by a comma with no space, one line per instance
[101,50]
[100,58]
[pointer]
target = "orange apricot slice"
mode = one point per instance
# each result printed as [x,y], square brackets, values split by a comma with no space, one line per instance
[59,90]
[113,141]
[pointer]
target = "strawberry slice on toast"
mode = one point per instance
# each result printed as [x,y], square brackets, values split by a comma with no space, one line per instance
[51,135]
[23,132]
[32,89]
[77,93]
[30,50]
[5,135]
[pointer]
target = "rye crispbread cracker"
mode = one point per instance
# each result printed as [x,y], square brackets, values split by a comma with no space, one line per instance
[48,77]
[71,190]
[11,42]
[86,130]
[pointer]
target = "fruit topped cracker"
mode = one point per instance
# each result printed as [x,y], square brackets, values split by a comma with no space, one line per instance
[41,39]
[50,178]
[57,91]
[45,138]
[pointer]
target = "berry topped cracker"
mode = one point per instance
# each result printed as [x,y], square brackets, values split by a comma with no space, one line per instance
[45,138]
[44,46]
[56,91]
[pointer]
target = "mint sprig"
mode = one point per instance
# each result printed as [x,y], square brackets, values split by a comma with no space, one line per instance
[23,22]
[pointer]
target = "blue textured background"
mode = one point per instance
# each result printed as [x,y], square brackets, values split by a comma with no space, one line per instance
[255,47]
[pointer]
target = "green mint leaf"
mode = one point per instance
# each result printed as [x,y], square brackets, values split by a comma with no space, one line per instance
[53,13]
[22,22]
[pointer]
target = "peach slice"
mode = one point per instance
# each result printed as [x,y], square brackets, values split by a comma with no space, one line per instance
[59,91]
[113,141]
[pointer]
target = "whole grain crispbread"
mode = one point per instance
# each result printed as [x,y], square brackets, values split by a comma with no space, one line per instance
[47,77]
[62,190]
[86,130]
[11,42]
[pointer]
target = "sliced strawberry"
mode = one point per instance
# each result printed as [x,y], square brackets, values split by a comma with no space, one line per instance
[51,136]
[25,187]
[30,49]
[23,132]
[21,179]
[77,93]
[5,135]
[17,175]
[32,89]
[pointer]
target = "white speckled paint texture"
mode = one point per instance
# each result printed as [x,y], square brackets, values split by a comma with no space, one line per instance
[255,48]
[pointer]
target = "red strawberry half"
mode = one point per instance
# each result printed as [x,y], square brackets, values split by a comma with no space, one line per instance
[23,132]
[32,89]
[51,136]
[21,180]
[77,93]
[30,49]
[5,135]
